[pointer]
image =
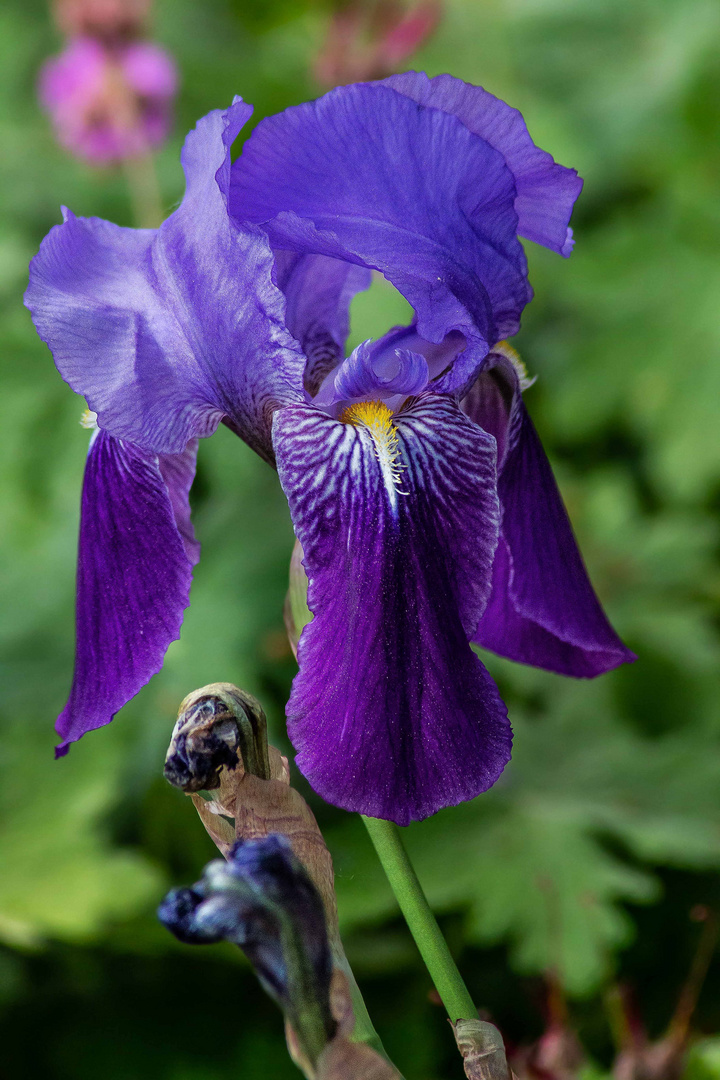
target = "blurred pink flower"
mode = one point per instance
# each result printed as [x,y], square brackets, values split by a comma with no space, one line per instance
[107,104]
[108,20]
[368,40]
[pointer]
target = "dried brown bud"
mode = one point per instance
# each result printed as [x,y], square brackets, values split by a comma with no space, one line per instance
[215,725]
[218,744]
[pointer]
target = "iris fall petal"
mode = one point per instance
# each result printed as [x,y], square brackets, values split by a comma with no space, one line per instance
[392,713]
[542,610]
[135,562]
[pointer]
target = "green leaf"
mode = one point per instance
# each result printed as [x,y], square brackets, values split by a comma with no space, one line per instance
[704,1060]
[554,896]
[61,878]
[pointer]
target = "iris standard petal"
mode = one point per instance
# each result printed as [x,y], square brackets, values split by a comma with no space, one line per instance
[391,713]
[542,609]
[546,191]
[366,175]
[164,332]
[135,563]
[318,291]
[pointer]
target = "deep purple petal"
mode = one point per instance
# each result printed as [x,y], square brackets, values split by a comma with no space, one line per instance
[391,712]
[164,332]
[542,609]
[318,291]
[505,631]
[134,571]
[494,399]
[546,191]
[366,175]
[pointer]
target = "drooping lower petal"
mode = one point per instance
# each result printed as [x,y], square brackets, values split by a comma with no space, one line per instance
[166,331]
[135,560]
[542,610]
[546,191]
[391,712]
[366,175]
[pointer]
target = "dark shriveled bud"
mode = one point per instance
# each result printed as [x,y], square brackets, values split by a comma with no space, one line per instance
[246,802]
[178,912]
[263,900]
[215,725]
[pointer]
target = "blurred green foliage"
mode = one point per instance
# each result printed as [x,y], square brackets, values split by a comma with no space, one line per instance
[605,830]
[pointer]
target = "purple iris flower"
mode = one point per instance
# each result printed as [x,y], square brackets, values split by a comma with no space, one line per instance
[425,506]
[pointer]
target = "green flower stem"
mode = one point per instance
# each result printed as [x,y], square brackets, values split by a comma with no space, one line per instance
[420,919]
[144,191]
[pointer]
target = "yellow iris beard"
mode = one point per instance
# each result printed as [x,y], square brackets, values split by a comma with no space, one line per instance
[376,418]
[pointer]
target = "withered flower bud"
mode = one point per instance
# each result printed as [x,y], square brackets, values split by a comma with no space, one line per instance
[246,803]
[214,725]
[263,900]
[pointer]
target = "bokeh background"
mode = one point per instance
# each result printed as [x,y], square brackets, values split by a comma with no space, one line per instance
[589,869]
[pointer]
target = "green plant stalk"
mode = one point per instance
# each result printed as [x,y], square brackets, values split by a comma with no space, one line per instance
[144,191]
[422,923]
